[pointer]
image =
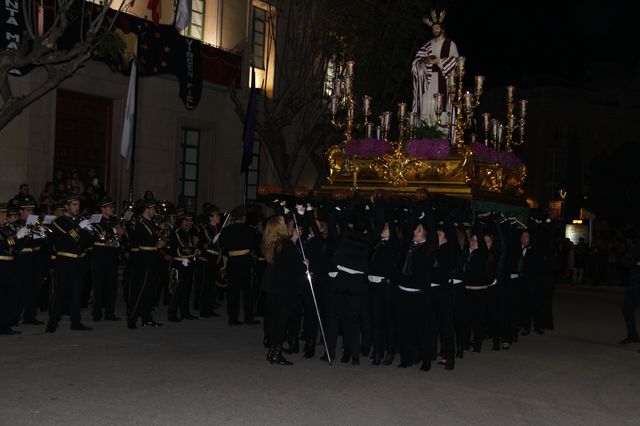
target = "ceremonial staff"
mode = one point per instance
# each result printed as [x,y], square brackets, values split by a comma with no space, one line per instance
[313,293]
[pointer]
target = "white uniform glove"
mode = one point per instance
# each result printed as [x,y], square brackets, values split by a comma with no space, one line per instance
[85,224]
[22,232]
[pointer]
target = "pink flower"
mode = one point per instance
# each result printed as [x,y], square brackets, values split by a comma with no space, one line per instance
[428,149]
[367,148]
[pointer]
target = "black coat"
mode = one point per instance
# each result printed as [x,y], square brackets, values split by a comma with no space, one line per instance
[286,274]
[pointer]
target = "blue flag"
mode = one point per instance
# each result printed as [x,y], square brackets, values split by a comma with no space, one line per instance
[249,125]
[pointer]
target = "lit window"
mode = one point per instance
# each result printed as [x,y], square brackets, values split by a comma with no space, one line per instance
[258,31]
[196,27]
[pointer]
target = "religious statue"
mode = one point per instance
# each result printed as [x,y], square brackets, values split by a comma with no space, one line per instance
[431,66]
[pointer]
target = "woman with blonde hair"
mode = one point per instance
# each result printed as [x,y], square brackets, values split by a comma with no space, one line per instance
[282,282]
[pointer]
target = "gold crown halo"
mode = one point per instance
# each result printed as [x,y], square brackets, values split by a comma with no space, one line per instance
[435,18]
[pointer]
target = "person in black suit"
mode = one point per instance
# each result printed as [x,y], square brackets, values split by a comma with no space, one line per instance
[283,281]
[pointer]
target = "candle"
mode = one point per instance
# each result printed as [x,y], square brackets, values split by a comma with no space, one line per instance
[355,178]
[510,92]
[479,83]
[348,83]
[494,128]
[386,120]
[369,130]
[334,104]
[511,123]
[350,68]
[337,87]
[378,133]
[437,98]
[468,100]
[366,105]
[473,138]
[486,117]
[412,120]
[460,64]
[523,108]
[500,130]
[402,110]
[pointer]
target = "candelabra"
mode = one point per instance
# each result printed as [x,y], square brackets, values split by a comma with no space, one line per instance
[463,102]
[342,99]
[496,133]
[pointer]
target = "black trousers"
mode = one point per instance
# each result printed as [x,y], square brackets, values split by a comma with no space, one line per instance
[104,268]
[310,317]
[511,306]
[477,324]
[629,307]
[208,275]
[7,277]
[413,326]
[461,316]
[143,286]
[382,321]
[365,319]
[494,315]
[345,298]
[29,282]
[279,309]
[442,313]
[239,281]
[182,294]
[67,288]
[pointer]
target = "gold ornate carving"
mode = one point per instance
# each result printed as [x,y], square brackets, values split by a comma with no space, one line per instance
[396,167]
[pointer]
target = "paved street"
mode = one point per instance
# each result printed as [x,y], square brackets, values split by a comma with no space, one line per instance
[206,373]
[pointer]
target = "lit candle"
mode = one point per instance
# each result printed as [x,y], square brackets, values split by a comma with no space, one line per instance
[510,92]
[369,130]
[468,100]
[402,110]
[479,84]
[350,68]
[437,99]
[334,104]
[460,64]
[366,105]
[486,117]
[523,108]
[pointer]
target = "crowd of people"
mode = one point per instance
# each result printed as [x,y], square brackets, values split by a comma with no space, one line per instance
[391,277]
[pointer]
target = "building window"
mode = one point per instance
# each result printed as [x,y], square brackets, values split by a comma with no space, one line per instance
[196,27]
[189,155]
[258,31]
[252,177]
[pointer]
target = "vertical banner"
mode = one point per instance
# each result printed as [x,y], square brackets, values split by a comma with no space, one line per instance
[189,72]
[12,28]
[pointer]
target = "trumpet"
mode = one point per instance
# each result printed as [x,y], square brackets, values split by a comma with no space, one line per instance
[38,230]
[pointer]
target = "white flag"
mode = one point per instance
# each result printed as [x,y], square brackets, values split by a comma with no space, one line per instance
[183,14]
[130,109]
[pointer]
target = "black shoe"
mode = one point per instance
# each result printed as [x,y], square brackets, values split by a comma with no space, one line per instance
[355,360]
[525,332]
[628,340]
[252,322]
[459,352]
[80,327]
[9,331]
[215,315]
[377,359]
[51,328]
[131,324]
[365,351]
[174,318]
[294,347]
[388,359]
[540,330]
[450,364]
[235,322]
[426,366]
[496,347]
[277,357]
[345,357]
[33,322]
[506,346]
[189,317]
[477,348]
[112,318]
[157,324]
[97,318]
[147,324]
[404,365]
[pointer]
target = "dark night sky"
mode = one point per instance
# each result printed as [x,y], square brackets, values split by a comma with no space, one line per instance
[532,43]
